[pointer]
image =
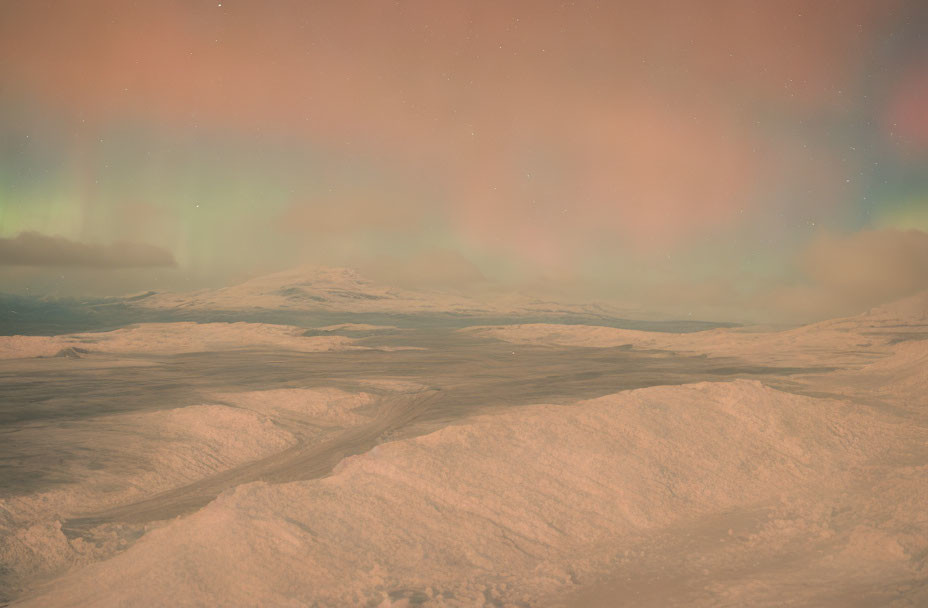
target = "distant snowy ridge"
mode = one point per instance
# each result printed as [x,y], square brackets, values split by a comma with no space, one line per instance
[344,290]
[848,341]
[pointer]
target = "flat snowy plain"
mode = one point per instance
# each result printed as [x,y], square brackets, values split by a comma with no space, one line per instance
[251,464]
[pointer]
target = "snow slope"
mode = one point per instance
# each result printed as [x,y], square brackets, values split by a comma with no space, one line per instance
[119,459]
[327,406]
[512,507]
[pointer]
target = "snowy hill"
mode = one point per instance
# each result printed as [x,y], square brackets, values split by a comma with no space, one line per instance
[510,509]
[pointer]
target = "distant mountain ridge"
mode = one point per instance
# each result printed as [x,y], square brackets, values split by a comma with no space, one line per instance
[343,289]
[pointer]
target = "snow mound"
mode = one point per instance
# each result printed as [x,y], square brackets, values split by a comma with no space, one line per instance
[174,338]
[505,508]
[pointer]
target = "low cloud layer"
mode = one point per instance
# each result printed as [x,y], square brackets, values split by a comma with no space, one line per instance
[872,263]
[847,274]
[35,249]
[433,268]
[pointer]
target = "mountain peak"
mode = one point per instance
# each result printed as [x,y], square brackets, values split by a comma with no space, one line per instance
[311,276]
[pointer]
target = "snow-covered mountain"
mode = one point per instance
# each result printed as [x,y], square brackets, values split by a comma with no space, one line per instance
[344,290]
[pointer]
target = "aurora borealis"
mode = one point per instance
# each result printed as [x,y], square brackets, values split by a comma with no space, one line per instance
[721,159]
[460,303]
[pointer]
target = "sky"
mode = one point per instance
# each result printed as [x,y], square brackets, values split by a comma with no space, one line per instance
[727,159]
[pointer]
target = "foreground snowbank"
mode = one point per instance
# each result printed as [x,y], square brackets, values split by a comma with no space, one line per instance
[505,508]
[119,459]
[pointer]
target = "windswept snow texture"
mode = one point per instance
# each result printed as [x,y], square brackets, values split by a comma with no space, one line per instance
[526,465]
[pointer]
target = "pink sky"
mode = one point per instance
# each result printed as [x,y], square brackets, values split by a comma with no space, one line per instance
[548,138]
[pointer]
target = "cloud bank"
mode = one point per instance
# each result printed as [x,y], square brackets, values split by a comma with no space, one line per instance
[35,249]
[871,263]
[847,274]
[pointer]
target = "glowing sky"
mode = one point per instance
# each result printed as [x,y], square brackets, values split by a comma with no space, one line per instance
[721,158]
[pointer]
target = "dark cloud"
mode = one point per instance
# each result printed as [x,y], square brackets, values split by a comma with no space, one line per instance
[35,249]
